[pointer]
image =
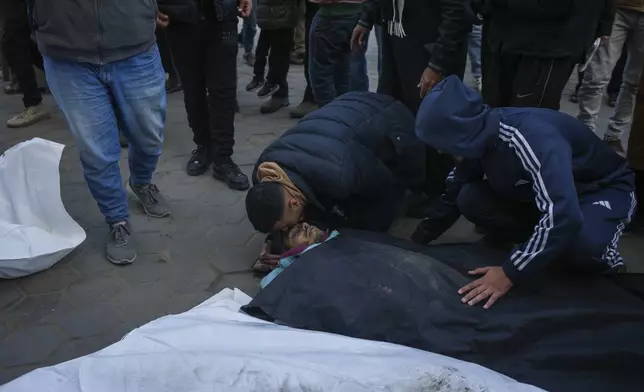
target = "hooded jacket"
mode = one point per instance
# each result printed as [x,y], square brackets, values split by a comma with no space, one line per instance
[526,154]
[357,151]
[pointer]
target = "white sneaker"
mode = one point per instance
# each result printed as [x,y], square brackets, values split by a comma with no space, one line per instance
[478,84]
[29,116]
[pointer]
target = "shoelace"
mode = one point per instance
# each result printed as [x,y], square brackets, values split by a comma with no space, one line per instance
[119,232]
[150,191]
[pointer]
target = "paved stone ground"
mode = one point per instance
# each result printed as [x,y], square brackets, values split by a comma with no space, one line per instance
[84,303]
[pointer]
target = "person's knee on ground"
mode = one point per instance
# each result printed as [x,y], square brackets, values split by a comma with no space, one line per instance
[588,256]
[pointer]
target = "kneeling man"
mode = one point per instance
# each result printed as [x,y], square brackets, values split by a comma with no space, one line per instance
[535,177]
[347,164]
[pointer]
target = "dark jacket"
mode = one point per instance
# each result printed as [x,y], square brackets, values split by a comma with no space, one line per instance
[352,159]
[277,14]
[546,28]
[440,26]
[191,11]
[94,31]
[527,154]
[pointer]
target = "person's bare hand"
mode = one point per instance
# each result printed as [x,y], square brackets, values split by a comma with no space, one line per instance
[492,286]
[245,7]
[428,80]
[162,20]
[266,257]
[358,37]
[605,38]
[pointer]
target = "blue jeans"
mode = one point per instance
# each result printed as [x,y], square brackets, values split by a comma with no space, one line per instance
[249,29]
[474,50]
[94,98]
[330,56]
[358,69]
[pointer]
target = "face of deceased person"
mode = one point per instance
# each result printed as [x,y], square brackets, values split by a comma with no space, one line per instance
[303,234]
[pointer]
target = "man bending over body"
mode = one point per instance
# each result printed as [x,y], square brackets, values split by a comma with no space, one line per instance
[345,165]
[533,177]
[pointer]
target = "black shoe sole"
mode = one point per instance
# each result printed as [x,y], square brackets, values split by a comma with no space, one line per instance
[252,90]
[199,172]
[231,185]
[120,262]
[269,94]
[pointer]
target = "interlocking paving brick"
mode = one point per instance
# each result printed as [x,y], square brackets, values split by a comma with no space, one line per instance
[10,294]
[55,279]
[94,289]
[30,310]
[29,345]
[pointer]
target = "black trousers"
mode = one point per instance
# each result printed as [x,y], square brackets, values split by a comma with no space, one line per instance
[166,55]
[311,10]
[518,80]
[205,56]
[20,52]
[276,46]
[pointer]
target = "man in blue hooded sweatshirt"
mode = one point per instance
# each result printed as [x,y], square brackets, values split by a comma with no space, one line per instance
[534,177]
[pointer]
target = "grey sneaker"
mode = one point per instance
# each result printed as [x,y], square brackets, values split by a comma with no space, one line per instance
[120,248]
[154,204]
[29,116]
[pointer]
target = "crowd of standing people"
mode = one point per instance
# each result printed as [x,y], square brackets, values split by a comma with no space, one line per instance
[109,66]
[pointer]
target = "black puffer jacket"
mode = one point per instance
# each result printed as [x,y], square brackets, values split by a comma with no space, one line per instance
[546,28]
[352,159]
[277,14]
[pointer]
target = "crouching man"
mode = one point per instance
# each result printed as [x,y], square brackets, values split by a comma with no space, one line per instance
[345,165]
[534,177]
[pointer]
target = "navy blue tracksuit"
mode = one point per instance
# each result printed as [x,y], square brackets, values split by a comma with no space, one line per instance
[536,177]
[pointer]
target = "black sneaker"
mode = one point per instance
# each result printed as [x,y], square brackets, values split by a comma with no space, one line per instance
[153,202]
[199,161]
[120,248]
[228,172]
[268,90]
[255,84]
[274,104]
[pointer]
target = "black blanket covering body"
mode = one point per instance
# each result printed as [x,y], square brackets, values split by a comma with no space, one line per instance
[562,334]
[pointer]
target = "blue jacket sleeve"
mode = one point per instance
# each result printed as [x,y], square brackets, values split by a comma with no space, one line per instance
[444,213]
[548,161]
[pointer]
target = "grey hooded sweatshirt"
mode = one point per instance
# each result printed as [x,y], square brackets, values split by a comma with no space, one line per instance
[93,31]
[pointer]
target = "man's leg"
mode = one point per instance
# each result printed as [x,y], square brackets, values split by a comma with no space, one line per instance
[299,35]
[172,85]
[221,67]
[597,75]
[622,117]
[261,57]
[378,31]
[499,219]
[539,82]
[474,52]
[308,102]
[329,44]
[186,44]
[359,78]
[249,29]
[86,103]
[16,43]
[343,72]
[606,214]
[138,87]
[279,64]
[616,78]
